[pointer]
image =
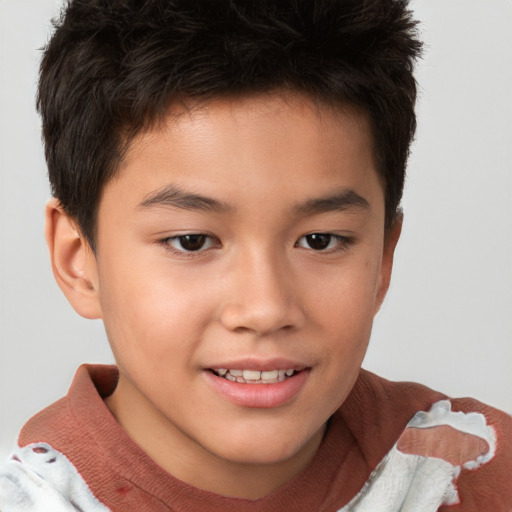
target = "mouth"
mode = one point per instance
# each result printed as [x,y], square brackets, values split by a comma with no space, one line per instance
[255,376]
[269,386]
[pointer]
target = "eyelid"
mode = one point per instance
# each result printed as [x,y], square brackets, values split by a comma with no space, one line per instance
[343,242]
[213,242]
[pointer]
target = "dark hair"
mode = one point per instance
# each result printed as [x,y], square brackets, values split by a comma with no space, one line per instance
[112,68]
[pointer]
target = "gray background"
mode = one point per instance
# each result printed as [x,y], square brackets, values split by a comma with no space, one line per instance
[447,319]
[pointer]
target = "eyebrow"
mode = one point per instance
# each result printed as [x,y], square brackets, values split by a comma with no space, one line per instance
[174,197]
[340,201]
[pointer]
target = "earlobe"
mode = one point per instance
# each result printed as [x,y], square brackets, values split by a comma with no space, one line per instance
[73,262]
[391,239]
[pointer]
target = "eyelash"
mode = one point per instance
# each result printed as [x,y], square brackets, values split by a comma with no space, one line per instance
[166,242]
[342,243]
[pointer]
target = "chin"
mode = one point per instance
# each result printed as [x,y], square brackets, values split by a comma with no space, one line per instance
[260,458]
[269,450]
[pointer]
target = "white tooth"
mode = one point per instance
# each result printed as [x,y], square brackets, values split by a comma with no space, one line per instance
[221,371]
[282,373]
[289,372]
[269,375]
[241,380]
[230,377]
[251,374]
[236,373]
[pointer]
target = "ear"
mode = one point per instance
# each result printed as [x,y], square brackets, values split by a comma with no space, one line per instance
[73,261]
[391,238]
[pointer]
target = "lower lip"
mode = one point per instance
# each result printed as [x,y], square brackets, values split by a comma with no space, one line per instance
[258,395]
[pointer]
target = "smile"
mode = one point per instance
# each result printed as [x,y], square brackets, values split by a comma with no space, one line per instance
[255,376]
[277,387]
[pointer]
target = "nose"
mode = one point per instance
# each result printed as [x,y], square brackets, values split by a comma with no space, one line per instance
[262,296]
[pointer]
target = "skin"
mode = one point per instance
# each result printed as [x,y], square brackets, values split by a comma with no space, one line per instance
[257,290]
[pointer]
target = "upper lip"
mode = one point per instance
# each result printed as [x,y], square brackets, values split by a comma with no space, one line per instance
[251,363]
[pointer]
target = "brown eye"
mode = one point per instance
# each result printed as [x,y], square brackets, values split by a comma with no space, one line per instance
[191,242]
[323,242]
[318,241]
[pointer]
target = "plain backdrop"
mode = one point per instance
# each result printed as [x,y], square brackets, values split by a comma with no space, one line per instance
[447,318]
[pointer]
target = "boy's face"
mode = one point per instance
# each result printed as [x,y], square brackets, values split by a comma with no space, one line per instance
[247,235]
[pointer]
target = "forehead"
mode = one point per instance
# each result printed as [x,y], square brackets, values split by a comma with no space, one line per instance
[230,147]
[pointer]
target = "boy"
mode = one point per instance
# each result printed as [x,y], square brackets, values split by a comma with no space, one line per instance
[227,179]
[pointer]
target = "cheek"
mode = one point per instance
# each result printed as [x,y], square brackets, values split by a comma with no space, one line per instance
[345,299]
[343,320]
[151,312]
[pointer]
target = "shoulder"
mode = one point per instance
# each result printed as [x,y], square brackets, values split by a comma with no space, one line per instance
[54,449]
[456,451]
[378,410]
[38,477]
[485,483]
